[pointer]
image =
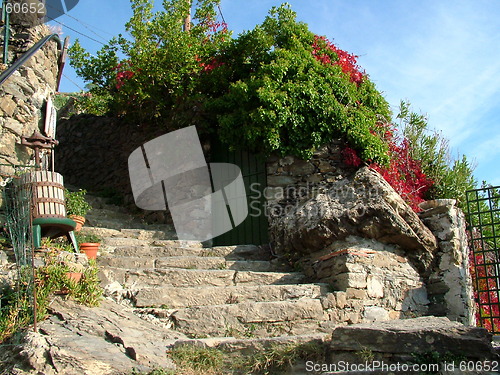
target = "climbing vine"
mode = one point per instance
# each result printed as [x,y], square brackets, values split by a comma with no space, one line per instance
[276,88]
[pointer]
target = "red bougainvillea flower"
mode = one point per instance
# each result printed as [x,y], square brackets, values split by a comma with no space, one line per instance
[350,157]
[124,73]
[348,62]
[404,173]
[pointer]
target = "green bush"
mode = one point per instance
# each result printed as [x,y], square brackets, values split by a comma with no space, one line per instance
[278,87]
[451,177]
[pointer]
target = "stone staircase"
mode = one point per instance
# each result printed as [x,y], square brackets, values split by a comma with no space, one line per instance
[242,301]
[174,297]
[231,295]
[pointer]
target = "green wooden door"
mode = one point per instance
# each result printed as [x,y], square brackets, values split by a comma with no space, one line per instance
[254,229]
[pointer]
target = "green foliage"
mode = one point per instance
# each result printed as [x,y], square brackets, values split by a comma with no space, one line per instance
[272,94]
[451,177]
[264,91]
[15,307]
[16,304]
[278,358]
[87,237]
[76,203]
[197,358]
[155,76]
[53,277]
[275,359]
[61,100]
[4,241]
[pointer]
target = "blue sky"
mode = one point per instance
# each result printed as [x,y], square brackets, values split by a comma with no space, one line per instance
[441,55]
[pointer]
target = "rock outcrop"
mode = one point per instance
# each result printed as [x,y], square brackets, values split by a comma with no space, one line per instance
[104,340]
[364,205]
[406,340]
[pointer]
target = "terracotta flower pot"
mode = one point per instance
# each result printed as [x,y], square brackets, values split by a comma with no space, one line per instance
[90,249]
[75,276]
[79,220]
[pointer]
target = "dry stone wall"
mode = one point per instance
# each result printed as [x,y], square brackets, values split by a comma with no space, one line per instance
[350,229]
[372,282]
[291,180]
[450,286]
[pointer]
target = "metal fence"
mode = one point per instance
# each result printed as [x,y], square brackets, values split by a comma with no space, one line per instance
[483,208]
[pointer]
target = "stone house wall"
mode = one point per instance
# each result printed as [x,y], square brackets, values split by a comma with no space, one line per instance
[24,95]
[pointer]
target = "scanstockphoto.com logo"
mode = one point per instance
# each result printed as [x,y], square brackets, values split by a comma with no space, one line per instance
[204,199]
[37,11]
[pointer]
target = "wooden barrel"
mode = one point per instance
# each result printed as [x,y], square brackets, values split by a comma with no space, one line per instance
[48,194]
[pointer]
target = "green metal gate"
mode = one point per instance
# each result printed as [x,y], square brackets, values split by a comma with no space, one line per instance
[254,229]
[483,206]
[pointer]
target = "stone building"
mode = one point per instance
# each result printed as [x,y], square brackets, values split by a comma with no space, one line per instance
[24,95]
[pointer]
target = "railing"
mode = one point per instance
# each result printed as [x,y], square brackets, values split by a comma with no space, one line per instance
[483,208]
[27,55]
[6,32]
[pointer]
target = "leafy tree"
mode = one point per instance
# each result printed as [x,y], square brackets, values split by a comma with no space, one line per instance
[451,177]
[283,88]
[151,76]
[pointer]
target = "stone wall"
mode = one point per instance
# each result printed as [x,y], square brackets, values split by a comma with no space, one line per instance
[94,151]
[372,282]
[450,284]
[348,228]
[25,93]
[291,180]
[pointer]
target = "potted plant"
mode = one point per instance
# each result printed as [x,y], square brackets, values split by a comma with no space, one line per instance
[89,244]
[77,207]
[74,272]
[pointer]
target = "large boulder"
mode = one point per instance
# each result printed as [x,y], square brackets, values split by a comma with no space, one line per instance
[364,205]
[76,339]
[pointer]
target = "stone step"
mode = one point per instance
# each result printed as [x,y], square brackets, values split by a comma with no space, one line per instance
[180,297]
[250,345]
[302,348]
[140,234]
[260,319]
[144,242]
[400,341]
[102,232]
[159,249]
[144,234]
[134,279]
[190,262]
